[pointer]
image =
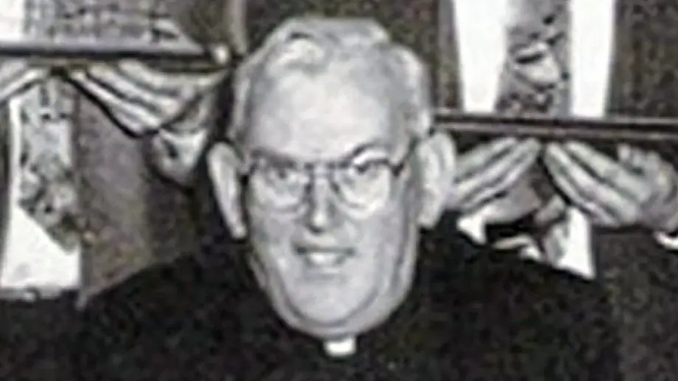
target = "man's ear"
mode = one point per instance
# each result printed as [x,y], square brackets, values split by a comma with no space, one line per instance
[222,163]
[437,156]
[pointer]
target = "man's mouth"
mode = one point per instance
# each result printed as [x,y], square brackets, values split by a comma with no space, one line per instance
[323,258]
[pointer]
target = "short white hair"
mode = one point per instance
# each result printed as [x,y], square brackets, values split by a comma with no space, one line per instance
[311,44]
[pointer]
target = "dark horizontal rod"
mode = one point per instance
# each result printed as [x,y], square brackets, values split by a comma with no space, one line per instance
[96,50]
[80,51]
[613,128]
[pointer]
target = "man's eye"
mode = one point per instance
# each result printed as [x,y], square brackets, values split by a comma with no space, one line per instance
[280,173]
[367,169]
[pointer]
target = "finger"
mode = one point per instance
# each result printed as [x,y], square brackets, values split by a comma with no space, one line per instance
[604,220]
[168,105]
[99,85]
[197,113]
[170,83]
[607,170]
[661,175]
[477,159]
[584,189]
[497,177]
[654,170]
[592,209]
[523,155]
[137,84]
[176,158]
[126,87]
[632,157]
[135,118]
[652,162]
[479,194]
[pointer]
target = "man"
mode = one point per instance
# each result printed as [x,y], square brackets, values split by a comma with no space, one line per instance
[329,168]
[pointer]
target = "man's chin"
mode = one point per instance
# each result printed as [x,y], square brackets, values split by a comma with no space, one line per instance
[338,329]
[342,324]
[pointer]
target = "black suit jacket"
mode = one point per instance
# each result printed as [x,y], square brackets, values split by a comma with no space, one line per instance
[471,315]
[35,339]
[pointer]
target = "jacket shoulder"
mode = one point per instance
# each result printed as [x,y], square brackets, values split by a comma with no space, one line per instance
[162,321]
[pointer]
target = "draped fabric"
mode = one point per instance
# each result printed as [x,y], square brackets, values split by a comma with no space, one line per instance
[641,275]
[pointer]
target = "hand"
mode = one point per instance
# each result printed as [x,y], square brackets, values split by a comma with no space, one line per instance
[142,99]
[639,188]
[488,172]
[175,156]
[175,109]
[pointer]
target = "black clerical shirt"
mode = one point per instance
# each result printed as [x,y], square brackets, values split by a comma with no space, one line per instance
[471,315]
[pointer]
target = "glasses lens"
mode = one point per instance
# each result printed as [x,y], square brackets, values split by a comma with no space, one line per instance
[366,186]
[279,186]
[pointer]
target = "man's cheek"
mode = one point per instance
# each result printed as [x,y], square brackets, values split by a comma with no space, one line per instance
[271,239]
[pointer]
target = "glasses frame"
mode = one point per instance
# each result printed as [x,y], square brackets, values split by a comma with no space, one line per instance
[313,171]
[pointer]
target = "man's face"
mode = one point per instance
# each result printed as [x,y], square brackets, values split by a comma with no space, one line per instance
[330,200]
[536,70]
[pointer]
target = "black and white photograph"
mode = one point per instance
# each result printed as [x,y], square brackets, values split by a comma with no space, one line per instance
[349,190]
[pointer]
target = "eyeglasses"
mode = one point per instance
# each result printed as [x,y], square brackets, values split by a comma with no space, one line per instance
[360,183]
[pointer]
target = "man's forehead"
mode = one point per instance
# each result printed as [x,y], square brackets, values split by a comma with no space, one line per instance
[533,21]
[323,115]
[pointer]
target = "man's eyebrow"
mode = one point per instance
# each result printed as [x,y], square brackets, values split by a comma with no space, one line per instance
[276,157]
[284,158]
[364,149]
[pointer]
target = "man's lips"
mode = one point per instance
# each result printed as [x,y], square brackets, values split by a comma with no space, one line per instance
[323,257]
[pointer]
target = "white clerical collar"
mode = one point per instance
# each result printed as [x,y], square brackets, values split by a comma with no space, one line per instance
[340,348]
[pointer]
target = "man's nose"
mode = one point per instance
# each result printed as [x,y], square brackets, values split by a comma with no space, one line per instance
[320,210]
